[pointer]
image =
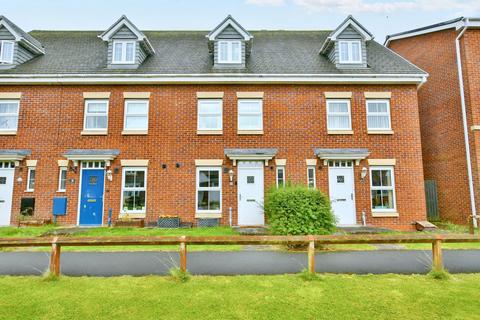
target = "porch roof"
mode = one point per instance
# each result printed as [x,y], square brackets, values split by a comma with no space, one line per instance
[251,154]
[14,154]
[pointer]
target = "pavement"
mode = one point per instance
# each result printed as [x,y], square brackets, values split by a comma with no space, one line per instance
[108,264]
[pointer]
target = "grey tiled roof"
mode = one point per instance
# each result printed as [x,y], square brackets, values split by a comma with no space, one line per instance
[258,151]
[343,151]
[97,152]
[186,52]
[15,152]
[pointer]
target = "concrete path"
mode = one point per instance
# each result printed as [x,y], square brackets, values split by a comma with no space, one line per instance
[242,262]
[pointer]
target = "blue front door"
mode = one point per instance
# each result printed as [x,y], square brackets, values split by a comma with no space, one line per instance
[91,197]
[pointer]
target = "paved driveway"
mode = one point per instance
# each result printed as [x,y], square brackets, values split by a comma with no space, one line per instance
[231,263]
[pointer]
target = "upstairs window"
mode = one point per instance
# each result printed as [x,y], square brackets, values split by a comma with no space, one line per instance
[136,115]
[250,114]
[229,52]
[9,115]
[6,51]
[96,115]
[378,114]
[210,114]
[350,51]
[123,52]
[338,115]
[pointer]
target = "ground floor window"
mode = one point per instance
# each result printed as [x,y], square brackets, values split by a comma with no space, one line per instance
[31,179]
[62,179]
[382,185]
[209,190]
[134,190]
[280,176]
[311,177]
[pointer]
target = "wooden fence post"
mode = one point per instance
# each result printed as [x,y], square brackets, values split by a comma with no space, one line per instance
[55,258]
[311,255]
[183,254]
[437,255]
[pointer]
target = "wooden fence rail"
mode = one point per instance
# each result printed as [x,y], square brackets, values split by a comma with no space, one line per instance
[183,241]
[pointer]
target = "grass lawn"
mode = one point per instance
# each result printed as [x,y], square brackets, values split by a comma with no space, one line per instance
[241,297]
[118,232]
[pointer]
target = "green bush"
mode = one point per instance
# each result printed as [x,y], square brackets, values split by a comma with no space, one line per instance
[297,210]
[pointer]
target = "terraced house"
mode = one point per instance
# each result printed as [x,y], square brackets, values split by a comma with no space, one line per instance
[199,124]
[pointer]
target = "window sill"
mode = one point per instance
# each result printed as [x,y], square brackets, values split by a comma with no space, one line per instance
[132,215]
[209,132]
[8,133]
[380,131]
[385,214]
[251,132]
[29,191]
[134,132]
[94,133]
[61,191]
[340,132]
[208,215]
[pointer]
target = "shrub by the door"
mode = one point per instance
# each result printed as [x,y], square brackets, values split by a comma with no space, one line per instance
[297,210]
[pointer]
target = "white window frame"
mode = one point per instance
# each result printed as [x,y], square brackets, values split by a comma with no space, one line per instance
[347,101]
[280,168]
[10,59]
[392,187]
[123,59]
[350,51]
[86,113]
[387,101]
[17,102]
[311,178]
[230,59]
[249,114]
[199,102]
[198,188]
[144,188]
[61,170]
[125,116]
[30,169]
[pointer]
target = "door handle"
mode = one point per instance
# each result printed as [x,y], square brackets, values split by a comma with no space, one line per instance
[92,200]
[2,201]
[240,196]
[341,200]
[250,200]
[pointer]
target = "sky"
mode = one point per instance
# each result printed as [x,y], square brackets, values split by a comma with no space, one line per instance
[380,17]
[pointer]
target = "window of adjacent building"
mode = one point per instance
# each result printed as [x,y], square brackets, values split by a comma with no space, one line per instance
[123,52]
[209,190]
[311,181]
[136,115]
[378,114]
[338,115]
[31,179]
[229,52]
[134,190]
[96,115]
[350,51]
[9,114]
[209,114]
[250,114]
[62,179]
[280,176]
[6,51]
[382,184]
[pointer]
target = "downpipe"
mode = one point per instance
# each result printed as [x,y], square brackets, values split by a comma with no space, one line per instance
[465,124]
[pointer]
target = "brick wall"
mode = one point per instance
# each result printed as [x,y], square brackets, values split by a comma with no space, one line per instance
[51,119]
[443,143]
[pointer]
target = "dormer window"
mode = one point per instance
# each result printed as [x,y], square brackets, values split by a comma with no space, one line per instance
[229,52]
[123,52]
[6,51]
[350,51]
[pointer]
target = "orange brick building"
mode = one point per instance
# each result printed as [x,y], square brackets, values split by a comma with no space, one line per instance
[178,124]
[449,110]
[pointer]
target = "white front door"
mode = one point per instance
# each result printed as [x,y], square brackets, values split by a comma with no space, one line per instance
[6,193]
[250,193]
[342,194]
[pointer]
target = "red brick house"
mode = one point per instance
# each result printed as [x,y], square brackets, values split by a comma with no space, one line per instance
[449,110]
[200,124]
